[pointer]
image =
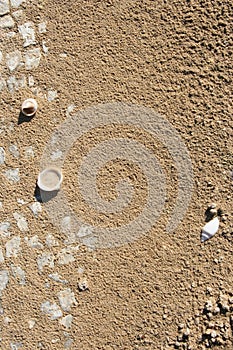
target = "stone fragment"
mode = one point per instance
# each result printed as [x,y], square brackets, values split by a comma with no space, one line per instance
[1,55]
[16,346]
[6,22]
[66,321]
[4,279]
[21,222]
[57,278]
[29,153]
[16,3]
[44,47]
[42,27]
[28,33]
[13,60]
[13,247]
[67,299]
[52,310]
[4,7]
[19,15]
[34,242]
[65,256]
[2,84]
[1,256]
[51,241]
[2,156]
[68,343]
[45,259]
[32,58]
[15,84]
[31,323]
[14,151]
[36,208]
[19,274]
[0,205]
[12,175]
[4,227]
[31,81]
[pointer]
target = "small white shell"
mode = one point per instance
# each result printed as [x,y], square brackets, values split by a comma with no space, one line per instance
[50,179]
[210,229]
[29,107]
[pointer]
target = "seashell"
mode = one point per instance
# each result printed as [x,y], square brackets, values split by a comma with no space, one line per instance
[209,229]
[29,107]
[50,179]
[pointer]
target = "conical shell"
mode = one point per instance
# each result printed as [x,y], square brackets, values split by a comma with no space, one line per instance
[209,229]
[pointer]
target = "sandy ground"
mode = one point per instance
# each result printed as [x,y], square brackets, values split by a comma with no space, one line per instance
[174,57]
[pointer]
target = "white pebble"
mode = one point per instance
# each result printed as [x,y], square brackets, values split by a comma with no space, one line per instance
[67,299]
[28,33]
[13,247]
[52,310]
[6,22]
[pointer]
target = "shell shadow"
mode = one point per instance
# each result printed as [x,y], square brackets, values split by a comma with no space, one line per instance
[44,196]
[22,118]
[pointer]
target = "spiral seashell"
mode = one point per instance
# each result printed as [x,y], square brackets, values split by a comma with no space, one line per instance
[209,229]
[29,107]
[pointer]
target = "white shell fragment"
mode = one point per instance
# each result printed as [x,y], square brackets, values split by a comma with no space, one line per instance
[209,229]
[50,179]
